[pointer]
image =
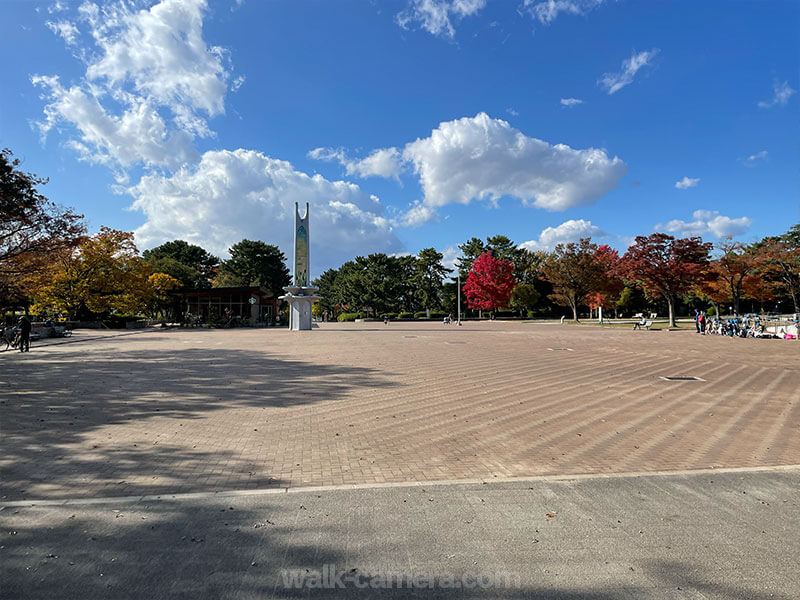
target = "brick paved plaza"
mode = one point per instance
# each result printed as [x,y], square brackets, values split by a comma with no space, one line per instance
[208,410]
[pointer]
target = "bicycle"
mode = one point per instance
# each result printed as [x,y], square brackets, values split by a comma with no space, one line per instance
[9,342]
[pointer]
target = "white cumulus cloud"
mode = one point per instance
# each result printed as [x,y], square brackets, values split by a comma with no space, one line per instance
[706,222]
[417,215]
[570,101]
[449,257]
[160,51]
[613,82]
[384,162]
[546,11]
[781,92]
[481,158]
[568,231]
[238,194]
[436,16]
[137,135]
[687,182]
[150,85]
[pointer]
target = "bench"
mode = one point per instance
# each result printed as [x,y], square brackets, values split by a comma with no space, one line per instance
[647,323]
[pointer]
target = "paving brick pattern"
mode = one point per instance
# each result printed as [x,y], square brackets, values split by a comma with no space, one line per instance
[208,410]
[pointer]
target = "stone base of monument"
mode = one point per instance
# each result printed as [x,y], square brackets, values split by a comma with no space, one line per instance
[300,300]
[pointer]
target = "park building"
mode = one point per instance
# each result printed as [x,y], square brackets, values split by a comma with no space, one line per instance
[244,305]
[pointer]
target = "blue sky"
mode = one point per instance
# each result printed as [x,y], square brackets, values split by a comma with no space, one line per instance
[409,124]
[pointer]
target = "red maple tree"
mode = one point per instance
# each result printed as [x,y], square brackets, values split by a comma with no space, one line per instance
[609,284]
[665,265]
[489,283]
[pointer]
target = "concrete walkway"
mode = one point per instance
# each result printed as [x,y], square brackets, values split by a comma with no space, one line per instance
[684,536]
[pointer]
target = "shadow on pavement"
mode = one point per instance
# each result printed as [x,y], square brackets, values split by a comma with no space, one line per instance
[53,404]
[244,550]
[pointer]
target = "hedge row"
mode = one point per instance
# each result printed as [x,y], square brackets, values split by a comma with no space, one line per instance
[348,317]
[436,315]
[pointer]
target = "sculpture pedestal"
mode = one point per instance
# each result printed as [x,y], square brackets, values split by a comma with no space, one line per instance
[300,300]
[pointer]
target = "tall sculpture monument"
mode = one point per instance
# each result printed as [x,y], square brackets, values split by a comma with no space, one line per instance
[300,295]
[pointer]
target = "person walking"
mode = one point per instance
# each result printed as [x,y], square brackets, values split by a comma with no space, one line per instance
[24,334]
[697,320]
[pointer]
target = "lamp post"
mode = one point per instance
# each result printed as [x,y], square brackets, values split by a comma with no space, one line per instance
[459,298]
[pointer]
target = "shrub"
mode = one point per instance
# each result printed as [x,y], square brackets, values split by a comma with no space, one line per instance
[507,313]
[438,314]
[389,315]
[421,315]
[348,317]
[405,315]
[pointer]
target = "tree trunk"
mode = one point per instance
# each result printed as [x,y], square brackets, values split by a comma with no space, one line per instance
[574,311]
[670,304]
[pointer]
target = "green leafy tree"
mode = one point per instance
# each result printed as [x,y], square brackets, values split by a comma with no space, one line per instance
[470,250]
[407,296]
[254,263]
[792,237]
[450,297]
[524,298]
[371,283]
[526,266]
[327,289]
[185,275]
[427,278]
[502,248]
[631,300]
[203,264]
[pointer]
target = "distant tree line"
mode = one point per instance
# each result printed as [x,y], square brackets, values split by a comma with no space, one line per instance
[657,272]
[48,262]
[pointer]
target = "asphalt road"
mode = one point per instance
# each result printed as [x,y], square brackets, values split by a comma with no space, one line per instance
[709,534]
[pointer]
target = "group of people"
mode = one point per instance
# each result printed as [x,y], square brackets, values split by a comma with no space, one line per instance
[750,325]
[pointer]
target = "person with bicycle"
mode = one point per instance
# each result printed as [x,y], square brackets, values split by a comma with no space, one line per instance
[24,334]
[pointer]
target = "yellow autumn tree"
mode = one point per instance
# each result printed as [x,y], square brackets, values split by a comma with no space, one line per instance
[104,274]
[156,294]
